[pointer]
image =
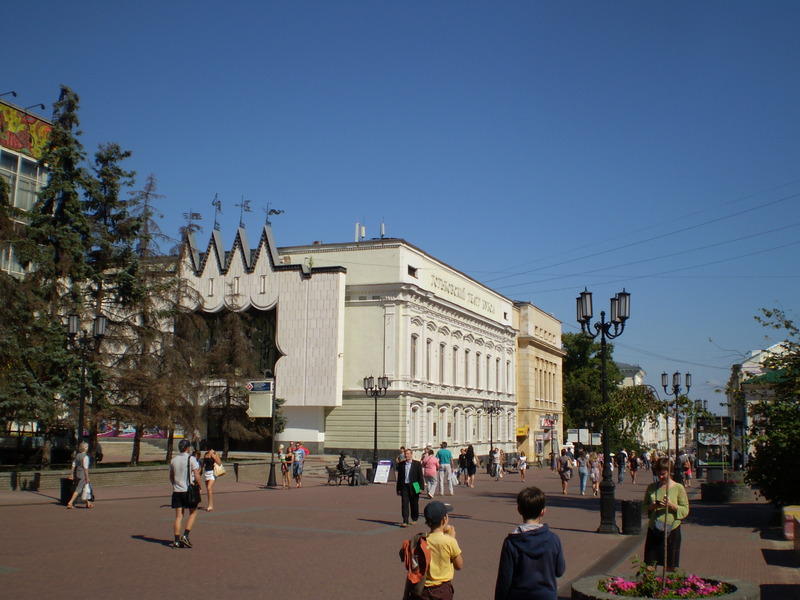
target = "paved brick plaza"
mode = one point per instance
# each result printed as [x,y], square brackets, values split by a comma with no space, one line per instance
[328,542]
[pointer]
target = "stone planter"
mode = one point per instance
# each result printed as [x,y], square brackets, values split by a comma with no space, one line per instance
[586,589]
[724,492]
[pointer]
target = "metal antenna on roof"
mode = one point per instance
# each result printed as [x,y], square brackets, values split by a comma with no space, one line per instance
[42,106]
[217,204]
[271,211]
[12,92]
[244,206]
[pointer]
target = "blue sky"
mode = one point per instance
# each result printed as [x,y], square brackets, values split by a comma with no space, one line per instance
[539,147]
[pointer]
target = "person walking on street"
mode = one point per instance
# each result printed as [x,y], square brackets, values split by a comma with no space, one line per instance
[184,472]
[445,468]
[633,465]
[472,466]
[430,471]
[564,470]
[210,458]
[80,474]
[462,467]
[522,465]
[495,458]
[583,470]
[622,461]
[410,483]
[446,556]
[286,467]
[594,472]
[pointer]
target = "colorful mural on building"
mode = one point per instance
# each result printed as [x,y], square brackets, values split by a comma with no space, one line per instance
[22,132]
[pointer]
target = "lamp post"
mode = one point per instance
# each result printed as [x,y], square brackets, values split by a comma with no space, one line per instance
[79,340]
[376,390]
[491,407]
[620,311]
[675,390]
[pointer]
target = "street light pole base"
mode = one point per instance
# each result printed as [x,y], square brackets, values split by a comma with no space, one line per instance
[608,519]
[271,482]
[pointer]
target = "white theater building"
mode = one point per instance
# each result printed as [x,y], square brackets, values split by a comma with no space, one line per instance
[445,342]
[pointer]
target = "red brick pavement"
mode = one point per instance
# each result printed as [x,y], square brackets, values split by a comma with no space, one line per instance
[320,542]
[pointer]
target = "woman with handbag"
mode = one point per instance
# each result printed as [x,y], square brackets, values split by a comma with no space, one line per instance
[80,474]
[472,466]
[285,468]
[211,464]
[564,466]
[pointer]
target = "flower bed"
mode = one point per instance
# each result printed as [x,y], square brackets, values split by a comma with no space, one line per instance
[676,586]
[596,588]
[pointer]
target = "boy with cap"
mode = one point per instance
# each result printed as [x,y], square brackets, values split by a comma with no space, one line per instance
[446,555]
[531,558]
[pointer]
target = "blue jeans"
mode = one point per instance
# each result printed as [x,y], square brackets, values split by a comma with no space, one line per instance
[583,475]
[621,476]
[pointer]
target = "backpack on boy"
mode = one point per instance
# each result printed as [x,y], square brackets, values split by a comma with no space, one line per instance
[416,556]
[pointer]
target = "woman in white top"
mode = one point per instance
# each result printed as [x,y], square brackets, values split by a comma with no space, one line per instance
[522,465]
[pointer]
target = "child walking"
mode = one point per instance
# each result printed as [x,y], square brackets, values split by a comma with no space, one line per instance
[531,558]
[446,555]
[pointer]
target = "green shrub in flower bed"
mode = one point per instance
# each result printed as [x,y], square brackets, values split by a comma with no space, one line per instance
[724,491]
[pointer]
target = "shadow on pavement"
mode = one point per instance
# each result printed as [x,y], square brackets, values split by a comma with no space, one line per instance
[379,522]
[752,515]
[779,558]
[779,591]
[144,538]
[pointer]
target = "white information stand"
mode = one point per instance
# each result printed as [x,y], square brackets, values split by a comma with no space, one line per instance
[382,472]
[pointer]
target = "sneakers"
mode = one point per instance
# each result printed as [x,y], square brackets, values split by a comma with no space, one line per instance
[184,542]
[175,545]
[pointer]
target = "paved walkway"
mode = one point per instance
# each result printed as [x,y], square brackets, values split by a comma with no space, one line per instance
[325,542]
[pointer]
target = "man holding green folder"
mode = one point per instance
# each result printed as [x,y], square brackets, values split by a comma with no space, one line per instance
[409,484]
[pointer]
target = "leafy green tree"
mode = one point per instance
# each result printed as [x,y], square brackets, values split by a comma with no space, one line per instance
[776,417]
[627,408]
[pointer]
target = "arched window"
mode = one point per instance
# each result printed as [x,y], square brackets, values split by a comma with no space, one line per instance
[415,430]
[441,363]
[471,427]
[445,427]
[466,367]
[455,366]
[430,427]
[428,359]
[477,370]
[457,425]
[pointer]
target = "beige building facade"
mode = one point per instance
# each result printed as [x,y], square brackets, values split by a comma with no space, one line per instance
[539,382]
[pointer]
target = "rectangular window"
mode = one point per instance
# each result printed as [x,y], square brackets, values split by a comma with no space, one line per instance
[211,287]
[497,375]
[477,370]
[263,288]
[412,271]
[455,365]
[466,368]
[235,285]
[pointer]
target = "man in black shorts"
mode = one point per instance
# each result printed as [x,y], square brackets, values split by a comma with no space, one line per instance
[184,471]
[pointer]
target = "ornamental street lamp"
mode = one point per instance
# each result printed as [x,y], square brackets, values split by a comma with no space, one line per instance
[376,390]
[676,391]
[491,407]
[79,340]
[620,311]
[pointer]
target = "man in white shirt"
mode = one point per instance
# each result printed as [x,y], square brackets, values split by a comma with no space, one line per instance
[184,471]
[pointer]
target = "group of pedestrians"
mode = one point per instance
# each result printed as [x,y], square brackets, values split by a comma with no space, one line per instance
[532,558]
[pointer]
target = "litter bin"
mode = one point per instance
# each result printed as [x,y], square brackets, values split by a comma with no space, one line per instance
[66,490]
[631,517]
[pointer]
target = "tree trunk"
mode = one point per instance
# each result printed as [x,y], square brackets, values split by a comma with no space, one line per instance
[47,448]
[226,441]
[137,443]
[170,442]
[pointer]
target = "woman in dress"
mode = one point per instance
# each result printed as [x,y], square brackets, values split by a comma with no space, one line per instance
[667,506]
[80,474]
[564,466]
[633,465]
[594,472]
[522,464]
[430,469]
[472,466]
[462,467]
[210,458]
[285,482]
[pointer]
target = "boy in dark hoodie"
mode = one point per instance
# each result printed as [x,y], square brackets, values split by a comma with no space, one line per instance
[531,558]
